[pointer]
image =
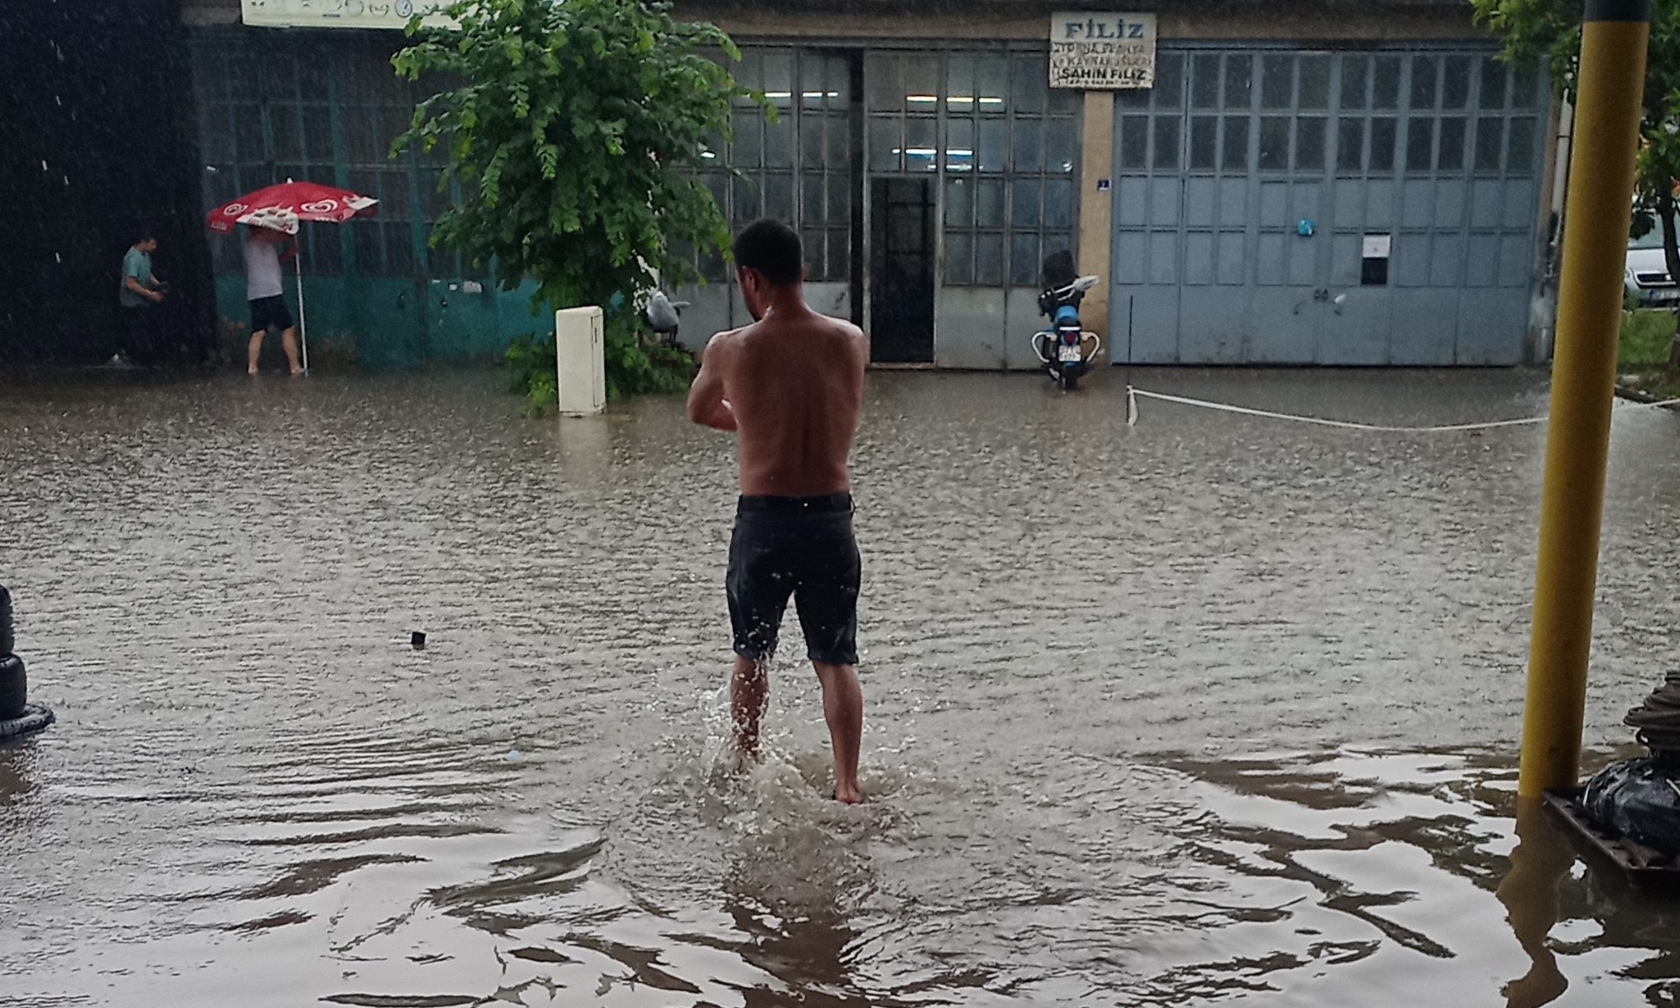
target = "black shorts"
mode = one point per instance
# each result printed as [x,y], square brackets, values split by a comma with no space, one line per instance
[270,312]
[799,546]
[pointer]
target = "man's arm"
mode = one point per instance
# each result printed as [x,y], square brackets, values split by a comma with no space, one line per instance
[132,282]
[706,404]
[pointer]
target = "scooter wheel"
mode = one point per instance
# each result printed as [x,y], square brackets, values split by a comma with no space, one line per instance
[1069,380]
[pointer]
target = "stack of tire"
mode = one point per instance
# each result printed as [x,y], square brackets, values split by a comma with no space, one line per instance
[17,715]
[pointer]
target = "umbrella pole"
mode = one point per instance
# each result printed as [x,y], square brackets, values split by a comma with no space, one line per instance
[303,325]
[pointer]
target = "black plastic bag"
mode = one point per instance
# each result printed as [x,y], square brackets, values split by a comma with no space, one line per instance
[1640,800]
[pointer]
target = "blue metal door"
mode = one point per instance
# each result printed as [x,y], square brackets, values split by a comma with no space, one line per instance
[1291,207]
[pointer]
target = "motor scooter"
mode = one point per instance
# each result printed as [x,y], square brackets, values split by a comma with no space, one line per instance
[1065,349]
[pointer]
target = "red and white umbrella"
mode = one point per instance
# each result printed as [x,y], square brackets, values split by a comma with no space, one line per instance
[281,207]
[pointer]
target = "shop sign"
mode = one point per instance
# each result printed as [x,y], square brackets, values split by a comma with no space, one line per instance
[341,13]
[1102,52]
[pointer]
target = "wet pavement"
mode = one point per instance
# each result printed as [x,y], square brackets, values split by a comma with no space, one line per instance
[1211,709]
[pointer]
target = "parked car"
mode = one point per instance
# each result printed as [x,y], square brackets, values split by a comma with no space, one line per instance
[1645,276]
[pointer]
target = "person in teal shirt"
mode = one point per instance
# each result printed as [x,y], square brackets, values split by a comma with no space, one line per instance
[139,292]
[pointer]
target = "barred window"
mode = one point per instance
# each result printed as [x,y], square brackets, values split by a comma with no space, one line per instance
[793,162]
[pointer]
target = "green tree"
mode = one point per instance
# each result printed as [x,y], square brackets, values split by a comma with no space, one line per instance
[1551,30]
[574,128]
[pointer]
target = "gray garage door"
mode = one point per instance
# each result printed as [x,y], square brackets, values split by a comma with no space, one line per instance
[1296,207]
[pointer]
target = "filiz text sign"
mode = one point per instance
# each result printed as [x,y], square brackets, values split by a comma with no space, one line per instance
[1102,52]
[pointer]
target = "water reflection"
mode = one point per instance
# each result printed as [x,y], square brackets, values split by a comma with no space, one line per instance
[1539,862]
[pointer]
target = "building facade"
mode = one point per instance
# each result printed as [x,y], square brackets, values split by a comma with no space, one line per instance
[1313,182]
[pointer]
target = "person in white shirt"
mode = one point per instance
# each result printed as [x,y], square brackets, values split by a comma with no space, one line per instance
[266,292]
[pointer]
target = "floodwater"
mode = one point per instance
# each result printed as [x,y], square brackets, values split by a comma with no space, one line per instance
[1213,709]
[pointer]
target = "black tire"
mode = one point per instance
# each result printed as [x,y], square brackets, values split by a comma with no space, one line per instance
[1070,380]
[14,687]
[32,719]
[6,642]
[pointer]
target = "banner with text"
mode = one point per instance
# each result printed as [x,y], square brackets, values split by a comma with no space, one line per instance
[1102,52]
[341,13]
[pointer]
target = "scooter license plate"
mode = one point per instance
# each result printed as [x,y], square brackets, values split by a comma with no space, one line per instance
[1070,355]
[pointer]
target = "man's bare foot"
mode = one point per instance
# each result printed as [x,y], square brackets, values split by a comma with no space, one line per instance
[848,795]
[250,371]
[296,371]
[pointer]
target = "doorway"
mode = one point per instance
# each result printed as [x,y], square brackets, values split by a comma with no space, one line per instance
[901,271]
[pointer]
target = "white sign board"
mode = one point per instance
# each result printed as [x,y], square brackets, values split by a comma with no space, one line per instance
[1102,52]
[341,13]
[1376,246]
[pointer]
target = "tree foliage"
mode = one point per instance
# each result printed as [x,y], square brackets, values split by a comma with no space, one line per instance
[1551,30]
[574,129]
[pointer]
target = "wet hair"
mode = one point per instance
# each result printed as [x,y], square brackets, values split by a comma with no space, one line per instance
[772,248]
[143,236]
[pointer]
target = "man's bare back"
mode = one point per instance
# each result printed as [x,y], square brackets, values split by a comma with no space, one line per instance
[791,384]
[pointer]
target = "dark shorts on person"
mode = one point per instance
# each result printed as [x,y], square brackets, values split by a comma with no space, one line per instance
[270,312]
[799,546]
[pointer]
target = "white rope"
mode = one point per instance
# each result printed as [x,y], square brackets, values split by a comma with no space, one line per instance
[1132,395]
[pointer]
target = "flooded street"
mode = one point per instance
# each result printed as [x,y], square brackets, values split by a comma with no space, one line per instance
[1211,709]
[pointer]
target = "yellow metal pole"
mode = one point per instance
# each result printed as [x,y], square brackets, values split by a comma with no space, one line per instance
[1612,79]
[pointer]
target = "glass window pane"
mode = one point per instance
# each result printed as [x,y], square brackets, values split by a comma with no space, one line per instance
[959,84]
[778,79]
[988,259]
[1235,152]
[1523,88]
[1385,83]
[1169,80]
[839,253]
[839,199]
[1420,144]
[1134,141]
[1023,260]
[1058,203]
[959,258]
[921,144]
[1029,145]
[1423,82]
[747,144]
[1204,142]
[1382,145]
[1024,196]
[1031,81]
[988,155]
[990,75]
[778,196]
[839,142]
[399,248]
[1350,144]
[883,82]
[921,85]
[988,203]
[1520,161]
[1204,81]
[1129,98]
[745,196]
[1274,143]
[1455,87]
[812,208]
[1309,143]
[1059,137]
[959,203]
[959,145]
[812,244]
[1239,82]
[778,142]
[1356,74]
[1315,82]
[1064,101]
[1452,144]
[1493,83]
[884,153]
[1277,79]
[1166,143]
[1490,141]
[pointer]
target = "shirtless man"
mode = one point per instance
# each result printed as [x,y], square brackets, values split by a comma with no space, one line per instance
[791,385]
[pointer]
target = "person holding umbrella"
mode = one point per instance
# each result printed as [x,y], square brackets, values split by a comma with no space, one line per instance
[272,215]
[265,289]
